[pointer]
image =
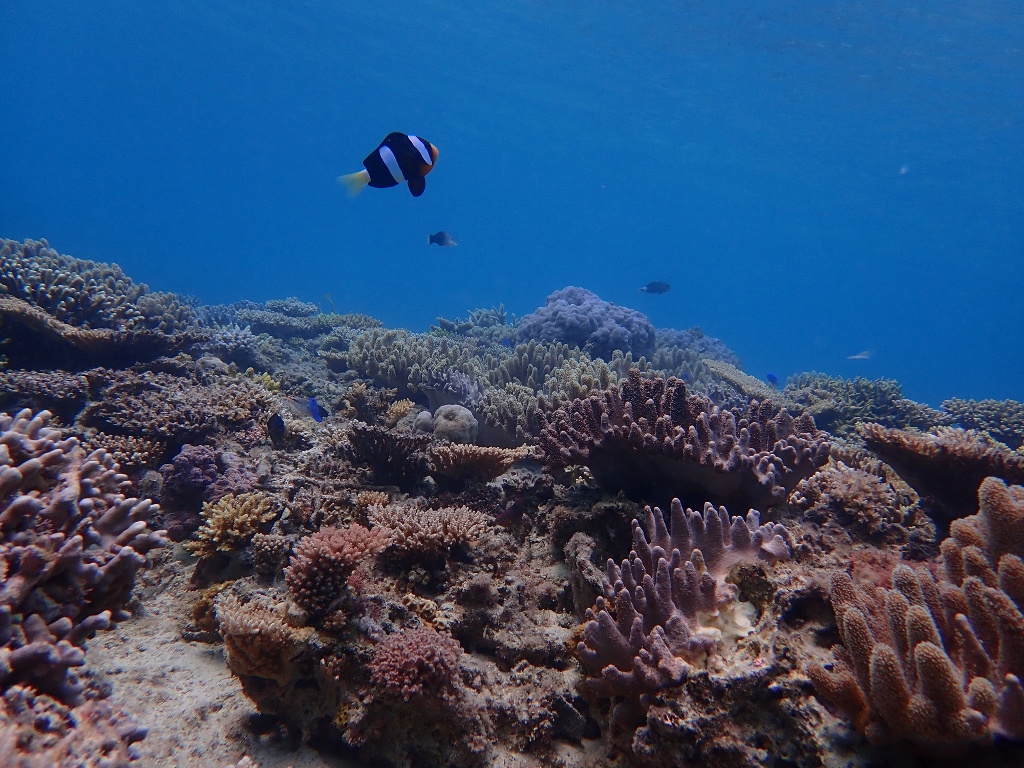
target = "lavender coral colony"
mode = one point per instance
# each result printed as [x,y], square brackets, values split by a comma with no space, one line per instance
[569,539]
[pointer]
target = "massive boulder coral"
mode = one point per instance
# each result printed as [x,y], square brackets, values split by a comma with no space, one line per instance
[646,631]
[579,318]
[945,468]
[652,440]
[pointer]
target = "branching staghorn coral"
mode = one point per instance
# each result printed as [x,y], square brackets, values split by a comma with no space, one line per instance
[427,534]
[647,629]
[321,563]
[649,436]
[945,468]
[231,523]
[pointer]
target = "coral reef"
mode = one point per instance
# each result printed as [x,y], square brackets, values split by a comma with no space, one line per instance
[945,468]
[322,563]
[652,440]
[579,318]
[1003,420]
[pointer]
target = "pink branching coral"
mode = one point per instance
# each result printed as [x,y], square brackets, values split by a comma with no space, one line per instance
[938,662]
[322,563]
[70,546]
[643,634]
[652,440]
[417,662]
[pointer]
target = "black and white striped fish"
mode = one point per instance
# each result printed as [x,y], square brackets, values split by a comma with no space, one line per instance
[398,158]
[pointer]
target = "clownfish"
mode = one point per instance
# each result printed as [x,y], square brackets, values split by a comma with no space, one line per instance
[398,158]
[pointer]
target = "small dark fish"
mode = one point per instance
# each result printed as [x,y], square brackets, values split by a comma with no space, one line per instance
[656,287]
[275,430]
[512,512]
[398,158]
[772,379]
[441,238]
[507,342]
[314,410]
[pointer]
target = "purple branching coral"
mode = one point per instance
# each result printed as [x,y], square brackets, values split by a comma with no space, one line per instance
[652,440]
[646,630]
[70,546]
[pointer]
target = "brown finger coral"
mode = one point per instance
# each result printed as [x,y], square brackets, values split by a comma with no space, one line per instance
[321,563]
[938,662]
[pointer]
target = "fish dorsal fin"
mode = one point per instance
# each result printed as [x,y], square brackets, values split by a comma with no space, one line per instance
[416,185]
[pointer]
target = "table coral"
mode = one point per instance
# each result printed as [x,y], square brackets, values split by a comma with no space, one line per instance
[652,440]
[419,533]
[1001,419]
[945,468]
[394,456]
[464,462]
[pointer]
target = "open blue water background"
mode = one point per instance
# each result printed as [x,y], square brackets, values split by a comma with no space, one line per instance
[814,179]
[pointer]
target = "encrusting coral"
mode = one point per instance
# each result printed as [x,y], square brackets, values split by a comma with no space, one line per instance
[322,563]
[230,523]
[652,440]
[945,468]
[938,662]
[647,629]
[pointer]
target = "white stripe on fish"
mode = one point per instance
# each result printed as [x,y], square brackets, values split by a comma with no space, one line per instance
[392,163]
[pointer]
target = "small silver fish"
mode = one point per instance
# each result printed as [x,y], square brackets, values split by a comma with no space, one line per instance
[441,238]
[865,355]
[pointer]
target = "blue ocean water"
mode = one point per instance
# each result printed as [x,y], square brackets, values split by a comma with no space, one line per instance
[814,180]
